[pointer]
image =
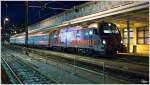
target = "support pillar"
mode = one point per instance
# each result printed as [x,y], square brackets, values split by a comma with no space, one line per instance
[128,31]
[26,25]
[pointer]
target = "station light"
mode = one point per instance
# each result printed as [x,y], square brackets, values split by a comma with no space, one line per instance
[15,32]
[118,25]
[121,42]
[117,51]
[6,19]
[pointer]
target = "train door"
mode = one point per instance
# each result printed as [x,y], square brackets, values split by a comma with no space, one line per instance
[54,39]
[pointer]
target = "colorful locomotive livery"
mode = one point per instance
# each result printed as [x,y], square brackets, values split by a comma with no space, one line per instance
[100,38]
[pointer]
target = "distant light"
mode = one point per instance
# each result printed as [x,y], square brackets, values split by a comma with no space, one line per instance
[118,25]
[121,42]
[109,24]
[90,33]
[117,51]
[6,19]
[15,32]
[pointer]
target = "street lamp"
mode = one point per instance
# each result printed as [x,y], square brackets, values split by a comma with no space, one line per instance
[6,19]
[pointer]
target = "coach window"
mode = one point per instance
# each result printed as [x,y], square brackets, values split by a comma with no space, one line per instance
[142,35]
[125,36]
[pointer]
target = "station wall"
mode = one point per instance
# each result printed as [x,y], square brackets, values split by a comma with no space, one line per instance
[139,37]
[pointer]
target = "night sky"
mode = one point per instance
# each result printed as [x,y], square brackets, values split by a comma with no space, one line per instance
[15,11]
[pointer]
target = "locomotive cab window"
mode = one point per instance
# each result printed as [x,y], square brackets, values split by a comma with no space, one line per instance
[110,29]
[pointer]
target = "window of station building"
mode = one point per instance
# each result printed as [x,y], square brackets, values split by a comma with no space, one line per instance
[142,35]
[125,36]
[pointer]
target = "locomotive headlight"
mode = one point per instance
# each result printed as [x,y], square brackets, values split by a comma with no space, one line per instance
[121,42]
[90,33]
[104,42]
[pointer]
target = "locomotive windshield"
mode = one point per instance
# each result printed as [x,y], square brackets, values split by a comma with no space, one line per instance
[110,29]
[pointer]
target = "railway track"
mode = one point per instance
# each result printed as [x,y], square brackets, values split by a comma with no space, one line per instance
[60,69]
[86,67]
[74,69]
[23,73]
[98,70]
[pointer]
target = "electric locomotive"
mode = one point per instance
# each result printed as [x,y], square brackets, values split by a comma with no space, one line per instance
[105,38]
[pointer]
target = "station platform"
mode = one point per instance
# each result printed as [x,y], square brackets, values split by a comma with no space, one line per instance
[134,54]
[136,58]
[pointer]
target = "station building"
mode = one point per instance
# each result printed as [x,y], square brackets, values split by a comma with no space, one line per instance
[138,39]
[127,15]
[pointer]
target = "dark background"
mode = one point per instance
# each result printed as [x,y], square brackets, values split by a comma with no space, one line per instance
[15,12]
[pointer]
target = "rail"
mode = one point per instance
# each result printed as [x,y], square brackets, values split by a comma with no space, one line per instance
[25,73]
[14,74]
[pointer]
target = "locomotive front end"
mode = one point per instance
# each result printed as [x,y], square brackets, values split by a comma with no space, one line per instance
[111,38]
